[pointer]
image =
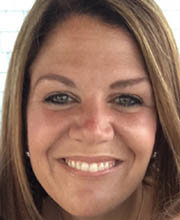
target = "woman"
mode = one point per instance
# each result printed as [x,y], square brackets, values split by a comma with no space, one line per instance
[91,113]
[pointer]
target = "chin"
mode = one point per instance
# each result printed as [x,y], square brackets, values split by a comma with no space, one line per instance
[89,209]
[86,213]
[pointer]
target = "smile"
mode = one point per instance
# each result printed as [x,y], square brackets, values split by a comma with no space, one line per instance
[90,167]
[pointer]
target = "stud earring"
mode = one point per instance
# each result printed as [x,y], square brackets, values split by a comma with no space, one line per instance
[27,154]
[155,154]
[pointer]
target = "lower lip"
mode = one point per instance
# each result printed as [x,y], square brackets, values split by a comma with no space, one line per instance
[90,174]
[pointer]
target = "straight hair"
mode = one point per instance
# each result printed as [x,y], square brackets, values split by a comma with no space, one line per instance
[21,195]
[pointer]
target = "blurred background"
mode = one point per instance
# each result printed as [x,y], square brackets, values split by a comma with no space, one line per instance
[13,12]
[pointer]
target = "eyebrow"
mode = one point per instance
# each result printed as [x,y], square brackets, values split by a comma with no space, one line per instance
[68,82]
[128,82]
[54,77]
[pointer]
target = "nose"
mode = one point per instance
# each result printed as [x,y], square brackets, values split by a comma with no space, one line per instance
[93,126]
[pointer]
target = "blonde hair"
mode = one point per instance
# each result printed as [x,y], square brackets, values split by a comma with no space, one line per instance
[21,195]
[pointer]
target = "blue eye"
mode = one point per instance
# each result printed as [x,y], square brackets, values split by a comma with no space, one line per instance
[127,100]
[59,99]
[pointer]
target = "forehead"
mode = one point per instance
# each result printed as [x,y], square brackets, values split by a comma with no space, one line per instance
[79,31]
[83,41]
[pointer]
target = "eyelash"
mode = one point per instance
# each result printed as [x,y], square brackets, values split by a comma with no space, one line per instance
[60,99]
[127,100]
[124,100]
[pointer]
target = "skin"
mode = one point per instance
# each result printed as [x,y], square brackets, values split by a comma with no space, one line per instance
[176,218]
[100,63]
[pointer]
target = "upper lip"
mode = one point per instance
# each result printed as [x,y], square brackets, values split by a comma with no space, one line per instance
[91,159]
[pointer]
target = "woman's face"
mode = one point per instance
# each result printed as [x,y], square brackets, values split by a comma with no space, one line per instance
[90,117]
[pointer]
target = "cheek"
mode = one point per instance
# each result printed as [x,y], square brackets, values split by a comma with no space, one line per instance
[44,127]
[138,131]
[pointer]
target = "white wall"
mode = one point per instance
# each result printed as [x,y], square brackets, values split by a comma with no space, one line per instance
[12,13]
[171,9]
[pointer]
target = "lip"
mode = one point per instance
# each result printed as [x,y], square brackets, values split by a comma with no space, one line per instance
[98,159]
[95,159]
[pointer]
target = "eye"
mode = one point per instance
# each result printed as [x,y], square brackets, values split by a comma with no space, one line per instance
[127,100]
[60,99]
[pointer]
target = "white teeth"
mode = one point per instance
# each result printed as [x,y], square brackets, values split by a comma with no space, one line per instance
[73,163]
[84,166]
[101,166]
[78,165]
[93,167]
[90,167]
[106,165]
